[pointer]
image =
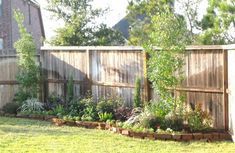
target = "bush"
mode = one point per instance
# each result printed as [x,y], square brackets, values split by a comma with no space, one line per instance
[122,113]
[32,105]
[11,108]
[90,114]
[175,123]
[198,119]
[53,101]
[77,107]
[21,96]
[109,104]
[59,111]
[150,121]
[105,105]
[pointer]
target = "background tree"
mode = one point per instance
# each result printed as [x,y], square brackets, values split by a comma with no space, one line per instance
[218,23]
[216,27]
[80,26]
[140,13]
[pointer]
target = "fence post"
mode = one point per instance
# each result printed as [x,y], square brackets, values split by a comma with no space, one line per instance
[147,91]
[88,73]
[225,87]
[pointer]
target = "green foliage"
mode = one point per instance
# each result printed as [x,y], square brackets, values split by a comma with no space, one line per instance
[80,28]
[150,121]
[76,107]
[70,89]
[137,93]
[28,76]
[174,122]
[32,105]
[140,13]
[53,101]
[90,114]
[216,23]
[105,105]
[11,108]
[199,120]
[59,111]
[105,116]
[109,104]
[165,65]
[215,27]
[68,118]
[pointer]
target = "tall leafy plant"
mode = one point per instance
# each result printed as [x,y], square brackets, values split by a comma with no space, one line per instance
[28,75]
[70,89]
[165,65]
[137,93]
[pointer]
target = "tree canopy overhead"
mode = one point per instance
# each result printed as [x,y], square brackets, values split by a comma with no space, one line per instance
[80,24]
[216,27]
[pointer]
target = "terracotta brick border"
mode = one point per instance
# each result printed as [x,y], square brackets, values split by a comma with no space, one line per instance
[210,136]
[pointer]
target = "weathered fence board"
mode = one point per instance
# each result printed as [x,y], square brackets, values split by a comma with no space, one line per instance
[8,72]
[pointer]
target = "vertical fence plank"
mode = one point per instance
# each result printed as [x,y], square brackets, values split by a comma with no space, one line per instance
[225,87]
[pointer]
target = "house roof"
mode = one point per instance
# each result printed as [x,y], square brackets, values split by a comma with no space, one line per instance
[35,3]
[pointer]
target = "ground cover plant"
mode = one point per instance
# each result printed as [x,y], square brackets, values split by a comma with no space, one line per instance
[23,135]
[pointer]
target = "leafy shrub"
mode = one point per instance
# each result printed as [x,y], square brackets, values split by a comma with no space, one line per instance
[21,96]
[173,122]
[90,114]
[109,104]
[122,113]
[32,105]
[11,108]
[77,107]
[198,119]
[105,105]
[137,95]
[53,101]
[148,120]
[59,111]
[105,116]
[135,116]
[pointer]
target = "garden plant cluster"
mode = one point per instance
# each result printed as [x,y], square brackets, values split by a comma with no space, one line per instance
[110,112]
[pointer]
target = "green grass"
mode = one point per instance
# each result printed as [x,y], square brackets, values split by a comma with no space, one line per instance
[21,135]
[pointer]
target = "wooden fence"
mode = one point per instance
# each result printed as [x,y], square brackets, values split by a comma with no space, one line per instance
[8,72]
[103,71]
[113,70]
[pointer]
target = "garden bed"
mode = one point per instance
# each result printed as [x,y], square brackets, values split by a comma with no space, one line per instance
[199,136]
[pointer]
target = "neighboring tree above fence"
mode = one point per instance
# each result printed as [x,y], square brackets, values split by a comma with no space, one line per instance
[140,13]
[216,27]
[80,27]
[218,24]
[28,76]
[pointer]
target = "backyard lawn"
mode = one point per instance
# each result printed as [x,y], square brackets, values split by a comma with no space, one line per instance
[21,135]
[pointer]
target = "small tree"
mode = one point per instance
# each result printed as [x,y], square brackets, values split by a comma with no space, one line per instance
[28,75]
[169,34]
[137,95]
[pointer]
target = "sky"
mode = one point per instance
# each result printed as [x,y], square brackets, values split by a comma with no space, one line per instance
[117,12]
